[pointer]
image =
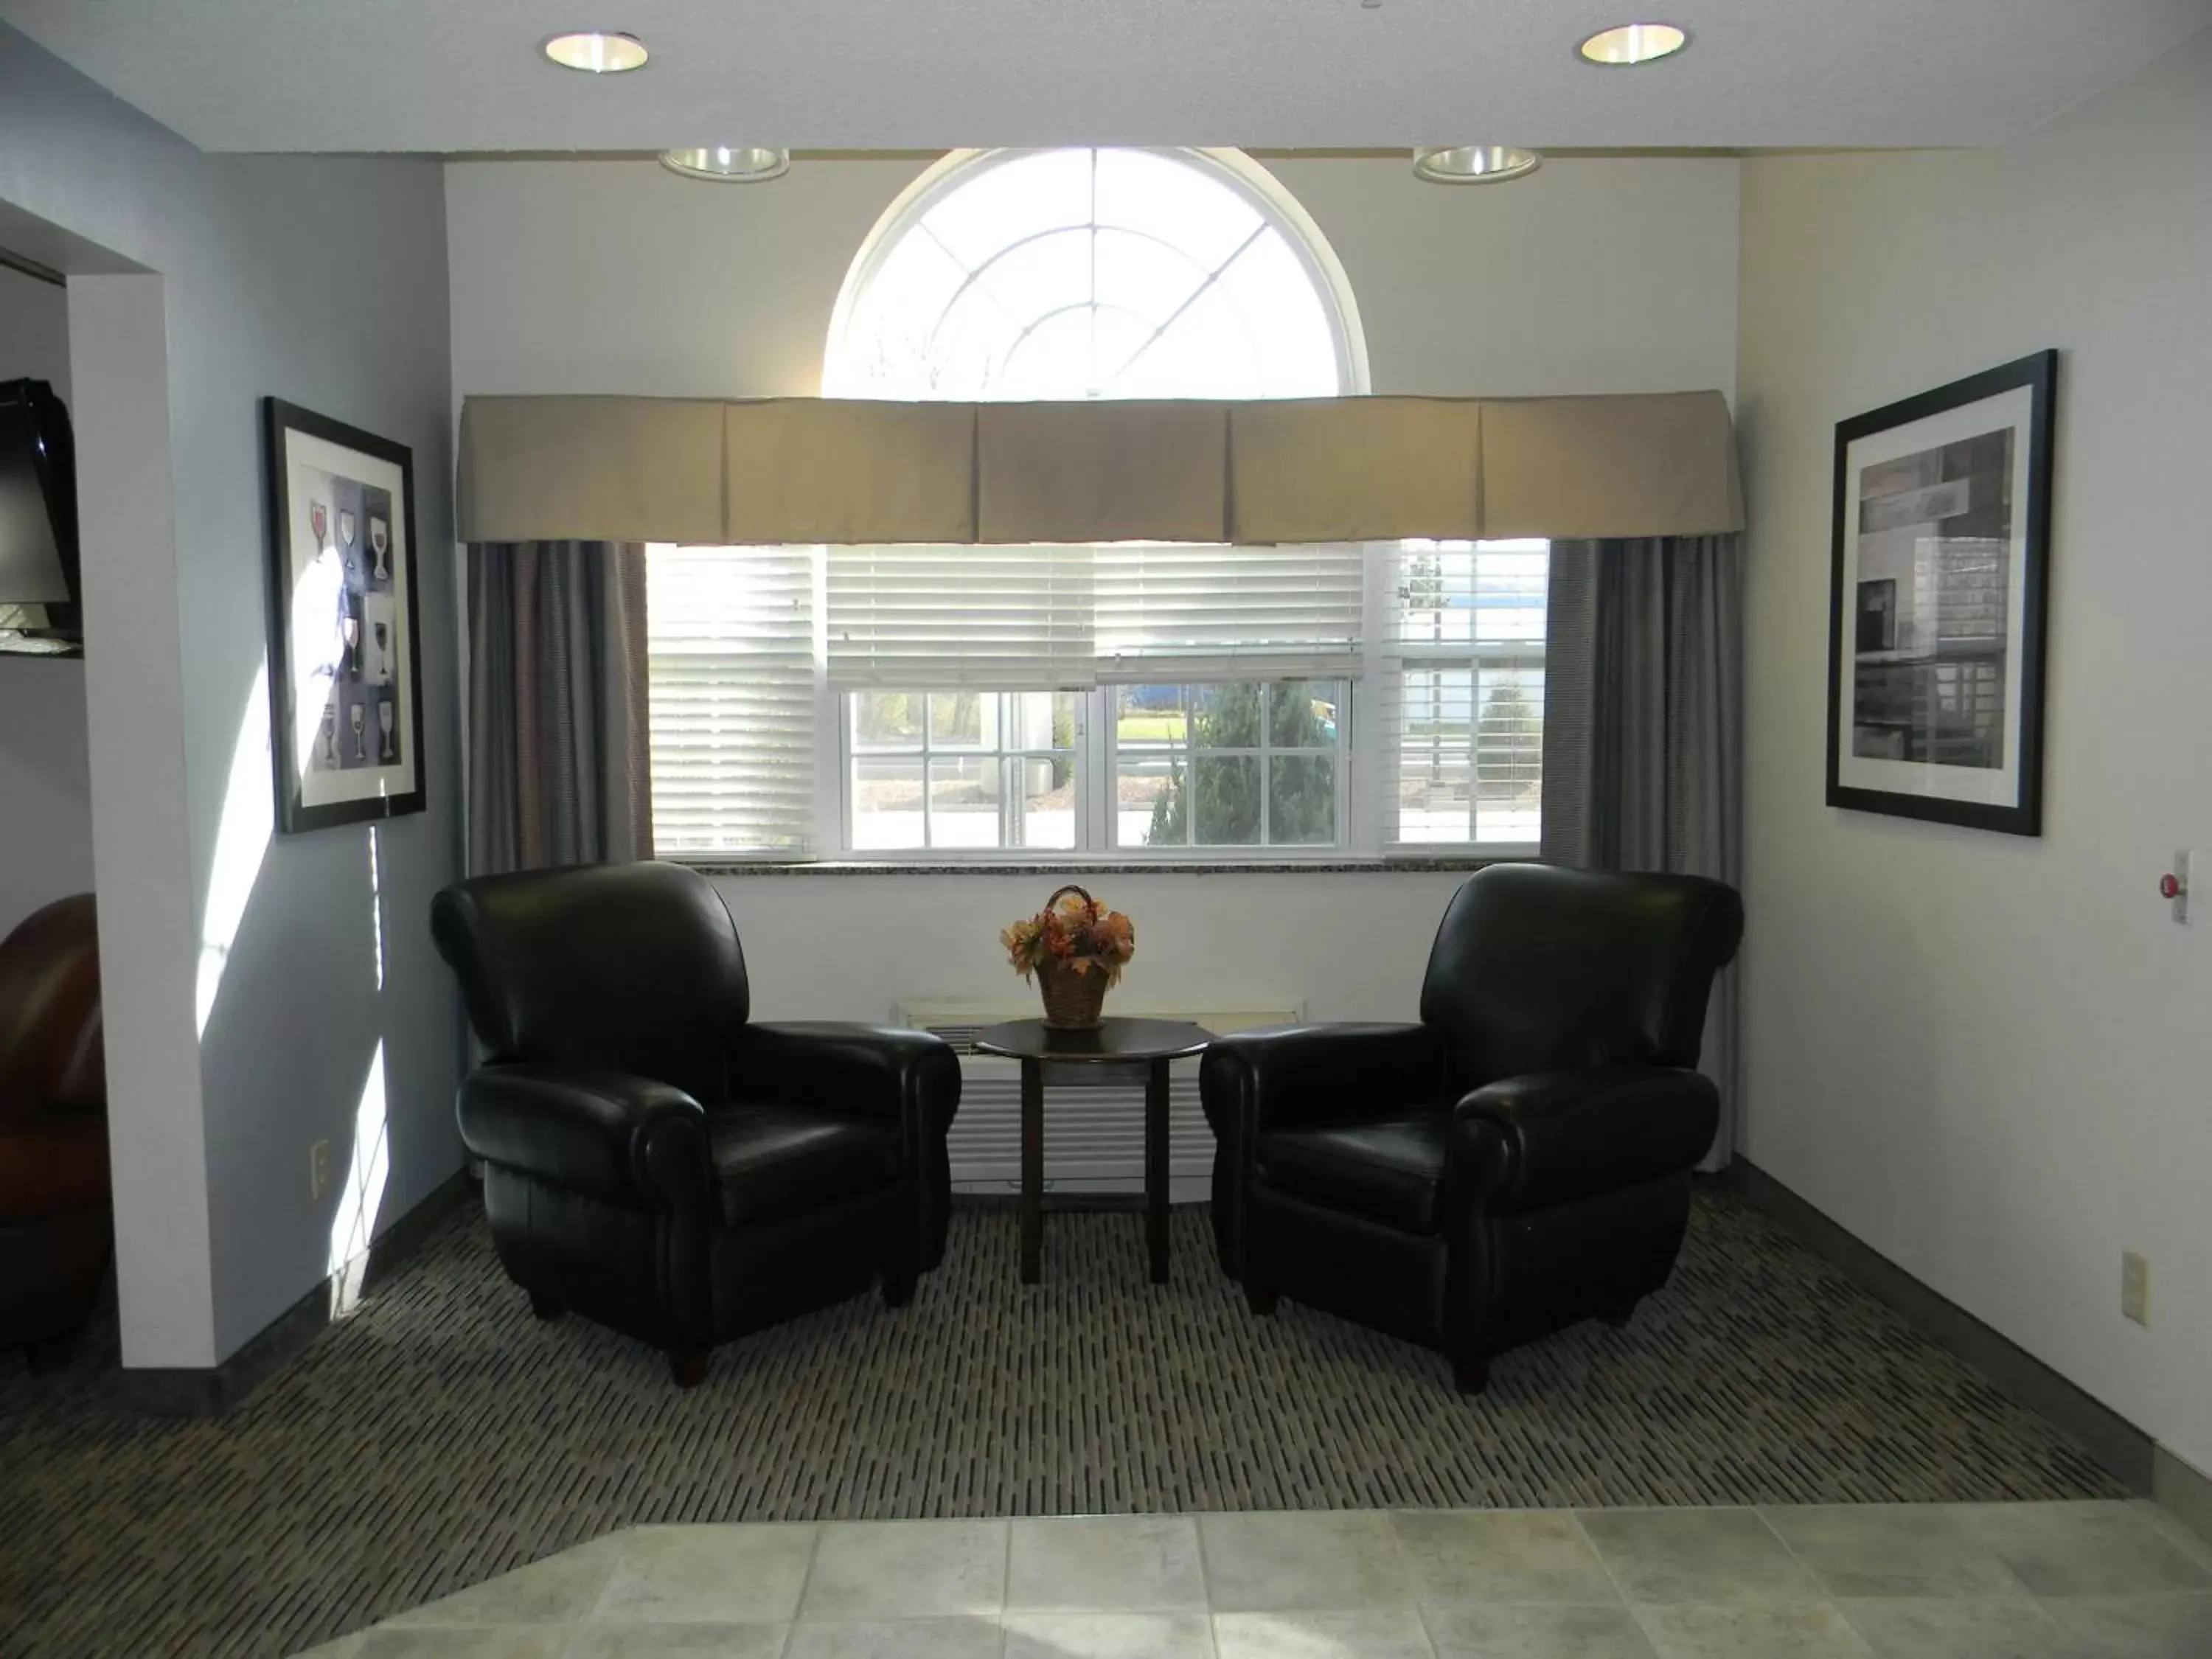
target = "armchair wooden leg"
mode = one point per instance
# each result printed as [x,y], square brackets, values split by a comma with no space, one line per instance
[898,1289]
[544,1306]
[1471,1377]
[1617,1317]
[688,1370]
[1262,1299]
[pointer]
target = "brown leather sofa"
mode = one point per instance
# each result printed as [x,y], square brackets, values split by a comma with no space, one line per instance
[56,1229]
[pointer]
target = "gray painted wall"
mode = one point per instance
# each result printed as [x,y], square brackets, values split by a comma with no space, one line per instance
[323,282]
[34,329]
[46,782]
[45,822]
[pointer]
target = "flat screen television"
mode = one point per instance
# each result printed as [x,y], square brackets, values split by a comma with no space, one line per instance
[37,509]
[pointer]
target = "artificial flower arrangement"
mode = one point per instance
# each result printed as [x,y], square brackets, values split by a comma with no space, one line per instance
[1076,948]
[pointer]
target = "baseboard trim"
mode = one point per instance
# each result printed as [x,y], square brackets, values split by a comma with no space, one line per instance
[2184,1489]
[214,1390]
[2131,1456]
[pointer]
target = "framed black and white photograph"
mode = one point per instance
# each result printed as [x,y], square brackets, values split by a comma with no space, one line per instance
[1936,612]
[345,685]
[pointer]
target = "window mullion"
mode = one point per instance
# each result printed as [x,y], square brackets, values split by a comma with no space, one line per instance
[1013,781]
[1351,833]
[1190,766]
[833,764]
[928,732]
[1373,763]
[1196,294]
[1097,785]
[837,784]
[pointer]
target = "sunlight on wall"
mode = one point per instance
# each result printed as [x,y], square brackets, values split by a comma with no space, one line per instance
[376,897]
[361,1195]
[242,840]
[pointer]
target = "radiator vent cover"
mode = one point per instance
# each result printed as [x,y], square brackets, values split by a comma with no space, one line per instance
[1093,1116]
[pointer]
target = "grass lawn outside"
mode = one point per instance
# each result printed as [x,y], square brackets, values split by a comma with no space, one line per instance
[1152,728]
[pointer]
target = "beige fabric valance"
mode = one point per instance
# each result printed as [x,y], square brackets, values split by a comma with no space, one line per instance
[591,469]
[1105,472]
[1355,469]
[805,470]
[1595,466]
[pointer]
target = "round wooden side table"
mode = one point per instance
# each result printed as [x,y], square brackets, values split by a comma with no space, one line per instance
[1149,1042]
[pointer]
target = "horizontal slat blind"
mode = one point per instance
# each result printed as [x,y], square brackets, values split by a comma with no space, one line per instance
[1181,612]
[731,663]
[1052,617]
[998,618]
[1463,694]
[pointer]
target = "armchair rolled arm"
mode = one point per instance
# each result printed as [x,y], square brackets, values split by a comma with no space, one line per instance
[1250,1079]
[912,1076]
[625,1139]
[1530,1143]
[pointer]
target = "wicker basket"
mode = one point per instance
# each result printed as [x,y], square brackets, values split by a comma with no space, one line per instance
[1072,1001]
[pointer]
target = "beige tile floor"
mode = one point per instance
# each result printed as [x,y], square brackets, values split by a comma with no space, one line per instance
[1997,1581]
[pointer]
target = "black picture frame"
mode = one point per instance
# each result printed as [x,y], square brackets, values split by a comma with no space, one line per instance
[1956,692]
[360,570]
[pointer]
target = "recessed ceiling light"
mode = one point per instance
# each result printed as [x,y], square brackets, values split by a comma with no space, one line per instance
[1475,164]
[728,164]
[597,53]
[1633,44]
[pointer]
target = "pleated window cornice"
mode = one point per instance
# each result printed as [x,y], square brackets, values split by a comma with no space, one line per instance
[814,471]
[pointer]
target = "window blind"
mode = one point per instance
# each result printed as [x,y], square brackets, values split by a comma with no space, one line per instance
[1462,693]
[1183,612]
[730,654]
[1057,616]
[1014,618]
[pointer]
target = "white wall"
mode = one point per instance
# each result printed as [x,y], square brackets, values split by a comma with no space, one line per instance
[1589,276]
[619,277]
[1593,275]
[323,282]
[1340,946]
[45,822]
[1984,1055]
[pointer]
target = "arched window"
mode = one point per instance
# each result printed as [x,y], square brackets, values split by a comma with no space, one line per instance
[1095,273]
[1147,700]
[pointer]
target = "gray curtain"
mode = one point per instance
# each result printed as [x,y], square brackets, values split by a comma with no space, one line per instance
[1643,730]
[559,762]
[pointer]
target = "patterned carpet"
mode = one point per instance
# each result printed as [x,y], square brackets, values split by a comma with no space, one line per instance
[442,1435]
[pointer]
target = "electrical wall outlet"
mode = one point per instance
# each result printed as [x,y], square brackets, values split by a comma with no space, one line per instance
[2135,1286]
[319,1169]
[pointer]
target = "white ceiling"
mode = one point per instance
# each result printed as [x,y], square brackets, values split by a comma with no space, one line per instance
[464,75]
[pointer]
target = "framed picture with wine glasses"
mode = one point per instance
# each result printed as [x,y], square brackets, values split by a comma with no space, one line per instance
[345,679]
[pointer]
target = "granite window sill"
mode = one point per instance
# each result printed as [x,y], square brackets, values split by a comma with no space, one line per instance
[1079,870]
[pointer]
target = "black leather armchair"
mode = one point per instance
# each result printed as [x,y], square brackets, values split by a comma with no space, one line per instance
[1517,1161]
[654,1160]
